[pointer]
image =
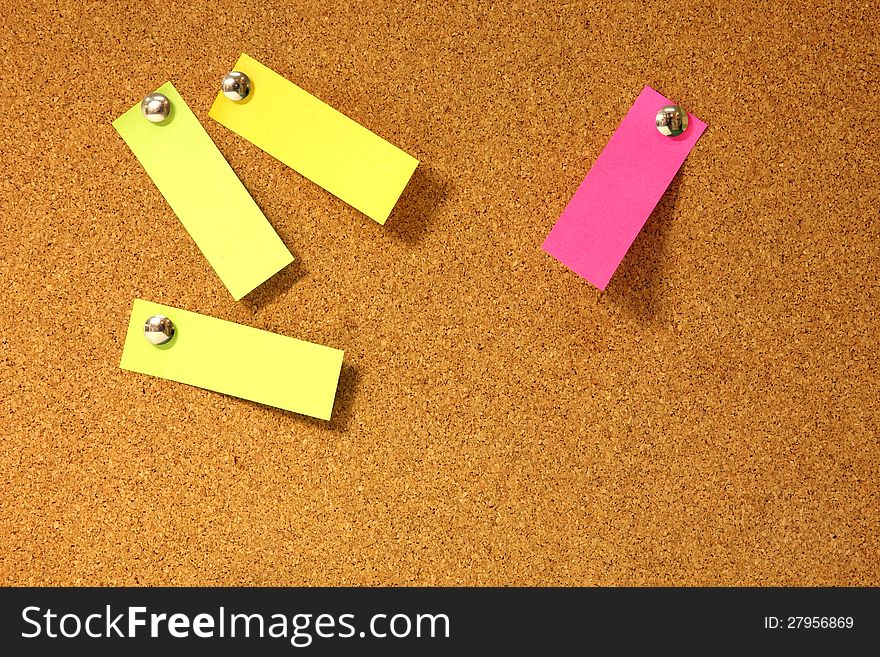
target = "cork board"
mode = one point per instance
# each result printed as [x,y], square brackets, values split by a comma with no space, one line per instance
[712,418]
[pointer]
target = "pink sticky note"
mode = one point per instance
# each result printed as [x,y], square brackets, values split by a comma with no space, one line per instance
[626,182]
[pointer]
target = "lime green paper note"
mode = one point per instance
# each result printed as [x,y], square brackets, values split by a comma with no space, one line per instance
[236,360]
[322,144]
[207,196]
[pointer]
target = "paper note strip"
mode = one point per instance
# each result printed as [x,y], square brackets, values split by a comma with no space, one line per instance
[319,142]
[236,360]
[207,196]
[624,186]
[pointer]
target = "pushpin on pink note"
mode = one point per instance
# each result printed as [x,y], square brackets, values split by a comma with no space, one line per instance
[624,186]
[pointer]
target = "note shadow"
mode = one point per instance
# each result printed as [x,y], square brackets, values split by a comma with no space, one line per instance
[637,283]
[343,406]
[277,286]
[421,199]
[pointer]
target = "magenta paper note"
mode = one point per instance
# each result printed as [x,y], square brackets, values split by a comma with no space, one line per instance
[626,182]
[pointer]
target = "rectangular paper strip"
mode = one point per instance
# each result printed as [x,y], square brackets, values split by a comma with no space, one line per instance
[236,360]
[319,142]
[624,186]
[207,196]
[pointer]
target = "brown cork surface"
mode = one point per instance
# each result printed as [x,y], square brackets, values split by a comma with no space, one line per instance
[712,418]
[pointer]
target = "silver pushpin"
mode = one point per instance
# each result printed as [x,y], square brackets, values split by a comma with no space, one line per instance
[156,107]
[672,121]
[236,86]
[158,329]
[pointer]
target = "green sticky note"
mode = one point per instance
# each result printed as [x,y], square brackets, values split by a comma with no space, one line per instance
[236,360]
[207,196]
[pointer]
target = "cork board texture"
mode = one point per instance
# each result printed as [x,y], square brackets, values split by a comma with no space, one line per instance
[712,418]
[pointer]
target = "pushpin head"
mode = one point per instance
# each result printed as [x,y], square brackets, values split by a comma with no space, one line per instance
[158,329]
[156,107]
[236,86]
[672,120]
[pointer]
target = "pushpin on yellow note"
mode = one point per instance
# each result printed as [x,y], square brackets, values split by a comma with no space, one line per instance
[316,140]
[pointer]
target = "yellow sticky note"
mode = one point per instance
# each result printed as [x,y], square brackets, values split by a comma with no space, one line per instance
[319,142]
[207,196]
[236,360]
